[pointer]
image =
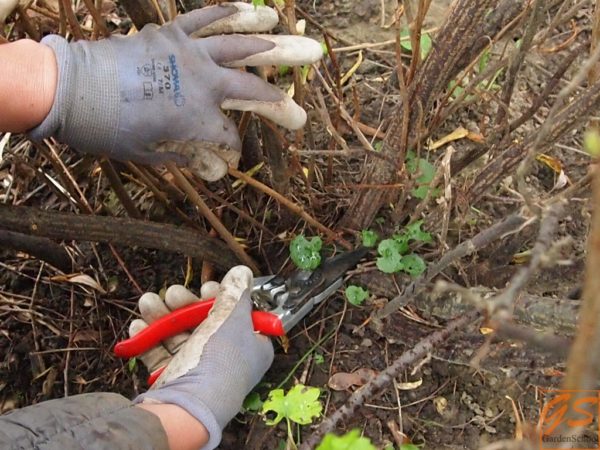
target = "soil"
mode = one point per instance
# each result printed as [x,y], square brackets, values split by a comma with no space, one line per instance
[56,337]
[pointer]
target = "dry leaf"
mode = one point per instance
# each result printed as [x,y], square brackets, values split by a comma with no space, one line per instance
[457,134]
[48,384]
[409,385]
[342,381]
[86,336]
[550,161]
[440,404]
[79,278]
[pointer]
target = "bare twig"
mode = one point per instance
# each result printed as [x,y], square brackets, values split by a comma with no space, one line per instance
[380,382]
[211,217]
[584,360]
[548,226]
[517,61]
[117,186]
[116,230]
[296,209]
[500,229]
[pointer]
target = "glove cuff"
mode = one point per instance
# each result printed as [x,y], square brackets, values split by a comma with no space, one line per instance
[86,109]
[193,406]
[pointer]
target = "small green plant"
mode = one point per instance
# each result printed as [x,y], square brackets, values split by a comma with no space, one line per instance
[252,402]
[352,440]
[424,171]
[369,238]
[425,43]
[300,405]
[318,358]
[356,295]
[132,365]
[490,85]
[306,253]
[393,255]
[258,3]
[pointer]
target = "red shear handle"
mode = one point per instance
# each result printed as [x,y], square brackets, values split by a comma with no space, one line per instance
[184,319]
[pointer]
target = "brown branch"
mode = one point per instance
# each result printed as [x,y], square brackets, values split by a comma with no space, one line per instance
[500,229]
[141,12]
[584,360]
[98,19]
[117,185]
[517,61]
[211,217]
[67,8]
[296,209]
[119,231]
[39,247]
[557,346]
[379,383]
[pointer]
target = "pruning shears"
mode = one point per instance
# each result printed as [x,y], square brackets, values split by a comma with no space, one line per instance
[280,304]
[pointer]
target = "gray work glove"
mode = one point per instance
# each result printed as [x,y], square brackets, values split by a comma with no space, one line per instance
[216,367]
[158,95]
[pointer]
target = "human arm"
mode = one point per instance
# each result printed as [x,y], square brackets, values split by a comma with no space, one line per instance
[160,94]
[213,370]
[27,85]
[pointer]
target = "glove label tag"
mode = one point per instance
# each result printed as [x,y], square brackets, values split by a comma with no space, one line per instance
[178,97]
[165,78]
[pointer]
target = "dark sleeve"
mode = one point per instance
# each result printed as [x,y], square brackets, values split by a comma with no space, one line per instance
[88,421]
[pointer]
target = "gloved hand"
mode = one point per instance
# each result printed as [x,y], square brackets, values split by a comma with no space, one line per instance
[214,369]
[158,95]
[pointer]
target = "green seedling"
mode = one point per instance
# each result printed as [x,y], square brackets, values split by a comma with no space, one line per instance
[132,365]
[369,238]
[414,232]
[252,402]
[424,172]
[300,405]
[393,255]
[318,358]
[352,440]
[425,43]
[489,85]
[306,253]
[356,295]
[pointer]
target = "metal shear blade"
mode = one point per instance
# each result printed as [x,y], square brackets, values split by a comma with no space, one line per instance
[293,298]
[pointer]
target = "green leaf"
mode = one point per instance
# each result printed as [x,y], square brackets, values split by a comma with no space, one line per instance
[369,238]
[356,295]
[132,365]
[390,259]
[425,43]
[426,173]
[283,70]
[413,264]
[349,441]
[401,242]
[414,232]
[305,253]
[484,60]
[591,142]
[252,402]
[301,404]
[258,3]
[318,358]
